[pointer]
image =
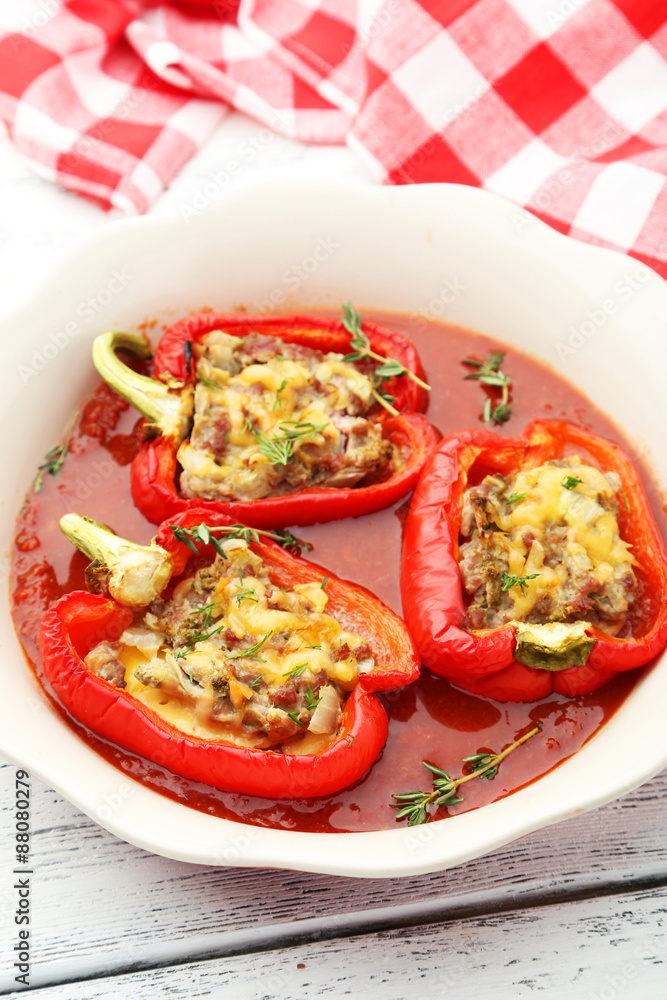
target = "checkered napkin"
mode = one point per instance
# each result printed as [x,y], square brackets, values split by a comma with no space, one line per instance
[559,105]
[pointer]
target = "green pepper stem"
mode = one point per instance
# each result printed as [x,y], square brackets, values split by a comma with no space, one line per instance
[168,408]
[132,574]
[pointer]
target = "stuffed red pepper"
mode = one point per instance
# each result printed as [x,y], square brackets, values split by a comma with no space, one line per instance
[533,564]
[274,420]
[228,660]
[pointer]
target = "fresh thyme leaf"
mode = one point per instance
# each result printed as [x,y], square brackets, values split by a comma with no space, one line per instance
[249,653]
[196,637]
[509,582]
[502,413]
[488,373]
[625,500]
[515,497]
[278,401]
[245,594]
[286,539]
[256,681]
[415,806]
[278,450]
[350,740]
[486,412]
[388,367]
[296,671]
[211,385]
[295,718]
[204,533]
[323,585]
[52,464]
[207,611]
[570,482]
[190,676]
[311,701]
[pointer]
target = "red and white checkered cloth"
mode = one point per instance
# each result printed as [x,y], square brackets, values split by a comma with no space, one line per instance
[559,105]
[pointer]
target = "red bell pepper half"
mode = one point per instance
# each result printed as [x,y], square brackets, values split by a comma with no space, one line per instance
[77,622]
[154,473]
[484,661]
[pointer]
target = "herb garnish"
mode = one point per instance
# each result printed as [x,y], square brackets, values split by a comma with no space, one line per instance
[296,671]
[323,585]
[489,373]
[388,367]
[515,497]
[279,450]
[508,582]
[207,382]
[311,701]
[295,718]
[480,765]
[204,533]
[207,611]
[625,500]
[249,653]
[278,401]
[570,482]
[185,649]
[52,464]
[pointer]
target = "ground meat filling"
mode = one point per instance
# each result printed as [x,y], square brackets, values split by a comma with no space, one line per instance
[544,546]
[240,658]
[272,418]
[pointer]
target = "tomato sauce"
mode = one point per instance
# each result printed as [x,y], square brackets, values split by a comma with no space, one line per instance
[430,720]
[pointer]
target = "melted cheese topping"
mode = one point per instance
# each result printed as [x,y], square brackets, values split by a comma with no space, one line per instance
[183,685]
[292,393]
[592,530]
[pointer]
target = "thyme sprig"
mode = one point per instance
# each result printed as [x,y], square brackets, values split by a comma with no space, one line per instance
[52,464]
[207,611]
[205,533]
[278,450]
[55,458]
[296,671]
[488,373]
[508,581]
[311,701]
[416,806]
[251,653]
[515,497]
[387,369]
[570,482]
[186,647]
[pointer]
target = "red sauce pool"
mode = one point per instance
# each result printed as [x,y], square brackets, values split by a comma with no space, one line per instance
[430,720]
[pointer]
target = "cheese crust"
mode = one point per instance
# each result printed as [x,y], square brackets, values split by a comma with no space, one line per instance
[544,546]
[233,657]
[272,418]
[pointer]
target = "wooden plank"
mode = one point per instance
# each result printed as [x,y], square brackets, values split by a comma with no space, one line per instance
[100,905]
[594,949]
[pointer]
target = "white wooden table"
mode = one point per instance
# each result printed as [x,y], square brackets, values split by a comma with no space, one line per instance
[577,911]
